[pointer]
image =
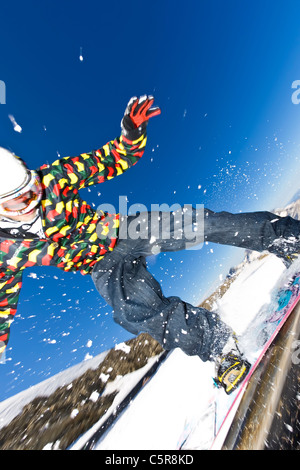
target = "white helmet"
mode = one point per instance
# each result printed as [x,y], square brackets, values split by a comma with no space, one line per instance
[20,188]
[13,174]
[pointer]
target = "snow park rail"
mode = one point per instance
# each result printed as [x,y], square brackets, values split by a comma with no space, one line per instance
[268,416]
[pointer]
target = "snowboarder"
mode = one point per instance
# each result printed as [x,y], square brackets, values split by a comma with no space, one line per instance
[44,222]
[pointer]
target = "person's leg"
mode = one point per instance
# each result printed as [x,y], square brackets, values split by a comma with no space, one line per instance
[257,231]
[138,303]
[189,227]
[136,297]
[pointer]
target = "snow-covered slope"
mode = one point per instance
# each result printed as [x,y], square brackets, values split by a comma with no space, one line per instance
[58,410]
[11,407]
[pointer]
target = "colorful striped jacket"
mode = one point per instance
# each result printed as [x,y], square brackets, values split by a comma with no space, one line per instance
[76,236]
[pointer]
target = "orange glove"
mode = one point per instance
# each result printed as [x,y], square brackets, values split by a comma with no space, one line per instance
[137,115]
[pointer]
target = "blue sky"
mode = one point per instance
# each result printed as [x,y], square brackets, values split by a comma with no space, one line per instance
[228,137]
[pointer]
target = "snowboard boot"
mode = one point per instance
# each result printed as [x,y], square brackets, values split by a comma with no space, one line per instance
[287,258]
[232,367]
[288,250]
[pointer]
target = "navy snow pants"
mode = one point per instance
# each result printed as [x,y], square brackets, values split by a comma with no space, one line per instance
[138,303]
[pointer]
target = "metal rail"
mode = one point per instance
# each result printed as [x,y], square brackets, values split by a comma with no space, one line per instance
[256,425]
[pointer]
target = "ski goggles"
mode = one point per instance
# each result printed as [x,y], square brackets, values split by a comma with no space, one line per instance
[24,200]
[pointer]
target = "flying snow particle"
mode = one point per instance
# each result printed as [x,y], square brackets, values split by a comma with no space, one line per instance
[288,427]
[80,55]
[89,343]
[16,126]
[32,275]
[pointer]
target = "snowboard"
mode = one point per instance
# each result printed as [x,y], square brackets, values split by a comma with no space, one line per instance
[265,328]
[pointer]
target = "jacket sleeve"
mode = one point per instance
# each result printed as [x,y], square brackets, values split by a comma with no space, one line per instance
[97,166]
[10,286]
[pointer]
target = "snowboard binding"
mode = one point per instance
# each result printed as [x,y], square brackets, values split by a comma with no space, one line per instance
[232,370]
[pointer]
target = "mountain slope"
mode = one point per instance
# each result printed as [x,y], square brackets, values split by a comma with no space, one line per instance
[57,411]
